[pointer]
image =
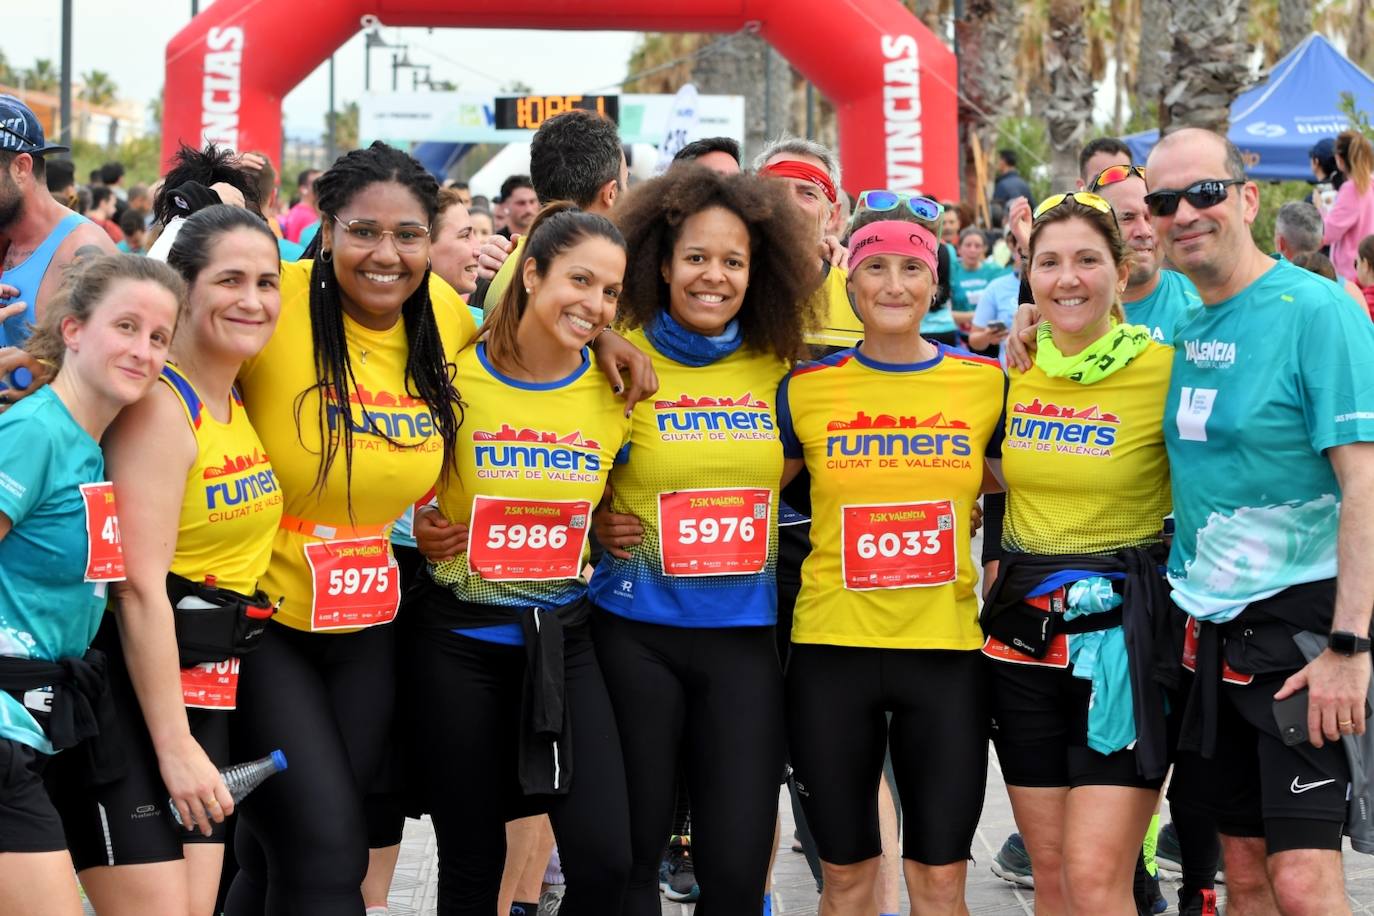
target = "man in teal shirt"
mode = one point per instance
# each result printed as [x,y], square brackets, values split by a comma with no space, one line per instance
[1270,429]
[1153,297]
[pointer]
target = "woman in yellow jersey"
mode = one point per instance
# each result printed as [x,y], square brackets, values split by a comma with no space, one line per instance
[354,401]
[896,434]
[686,591]
[1071,620]
[511,716]
[199,507]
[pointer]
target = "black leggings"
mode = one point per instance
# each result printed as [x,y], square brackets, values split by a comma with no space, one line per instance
[326,700]
[711,701]
[463,733]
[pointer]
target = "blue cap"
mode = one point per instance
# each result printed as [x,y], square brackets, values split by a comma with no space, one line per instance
[20,131]
[279,760]
[1323,149]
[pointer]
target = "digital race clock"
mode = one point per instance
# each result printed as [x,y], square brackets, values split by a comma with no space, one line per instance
[527,112]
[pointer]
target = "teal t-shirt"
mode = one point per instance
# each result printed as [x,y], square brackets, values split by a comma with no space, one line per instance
[1163,309]
[47,609]
[966,286]
[1263,383]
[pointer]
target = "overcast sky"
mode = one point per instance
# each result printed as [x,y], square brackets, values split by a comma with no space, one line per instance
[127,39]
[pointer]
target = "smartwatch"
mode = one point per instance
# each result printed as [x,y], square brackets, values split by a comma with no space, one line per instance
[1347,643]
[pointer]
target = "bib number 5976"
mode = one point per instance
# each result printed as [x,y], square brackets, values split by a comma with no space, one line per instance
[898,545]
[714,532]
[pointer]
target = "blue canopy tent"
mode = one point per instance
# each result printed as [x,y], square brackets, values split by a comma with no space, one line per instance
[1275,123]
[438,157]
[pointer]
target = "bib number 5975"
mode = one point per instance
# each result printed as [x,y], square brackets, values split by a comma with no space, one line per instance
[356,583]
[898,545]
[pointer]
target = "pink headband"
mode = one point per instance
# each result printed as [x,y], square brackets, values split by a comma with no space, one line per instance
[893,237]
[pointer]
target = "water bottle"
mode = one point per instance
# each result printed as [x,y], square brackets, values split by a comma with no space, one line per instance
[242,778]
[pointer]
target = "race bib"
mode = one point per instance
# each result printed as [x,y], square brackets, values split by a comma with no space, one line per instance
[898,545]
[356,583]
[524,539]
[1230,675]
[104,550]
[212,685]
[714,532]
[1056,657]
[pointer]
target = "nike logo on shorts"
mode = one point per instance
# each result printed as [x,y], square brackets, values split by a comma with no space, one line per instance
[1298,788]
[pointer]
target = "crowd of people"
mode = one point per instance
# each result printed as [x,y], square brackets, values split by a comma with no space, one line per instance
[587,521]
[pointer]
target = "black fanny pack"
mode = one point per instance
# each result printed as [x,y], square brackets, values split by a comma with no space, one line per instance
[1031,626]
[220,624]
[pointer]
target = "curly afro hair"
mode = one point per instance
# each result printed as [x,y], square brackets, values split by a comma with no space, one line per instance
[784,266]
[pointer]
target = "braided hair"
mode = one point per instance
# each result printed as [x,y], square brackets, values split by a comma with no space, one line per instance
[429,374]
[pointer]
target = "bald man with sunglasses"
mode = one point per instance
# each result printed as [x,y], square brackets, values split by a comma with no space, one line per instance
[1271,410]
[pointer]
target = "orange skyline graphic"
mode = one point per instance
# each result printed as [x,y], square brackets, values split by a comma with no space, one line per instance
[509,434]
[887,421]
[744,400]
[236,465]
[1035,408]
[365,398]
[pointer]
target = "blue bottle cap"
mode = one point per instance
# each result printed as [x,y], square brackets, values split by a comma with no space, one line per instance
[279,760]
[22,377]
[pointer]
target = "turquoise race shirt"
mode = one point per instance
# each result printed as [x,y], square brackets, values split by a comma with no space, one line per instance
[966,286]
[1163,309]
[47,609]
[1263,383]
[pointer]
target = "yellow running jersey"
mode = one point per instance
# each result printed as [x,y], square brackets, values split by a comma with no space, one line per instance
[895,454]
[702,475]
[839,324]
[232,507]
[531,466]
[1085,465]
[323,584]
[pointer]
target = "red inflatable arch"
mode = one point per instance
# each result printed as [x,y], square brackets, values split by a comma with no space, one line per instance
[890,79]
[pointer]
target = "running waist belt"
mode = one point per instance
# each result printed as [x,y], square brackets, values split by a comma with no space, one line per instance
[81,708]
[546,762]
[231,624]
[1146,618]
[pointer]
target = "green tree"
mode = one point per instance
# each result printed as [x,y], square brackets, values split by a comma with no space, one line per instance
[345,123]
[1208,67]
[42,76]
[98,89]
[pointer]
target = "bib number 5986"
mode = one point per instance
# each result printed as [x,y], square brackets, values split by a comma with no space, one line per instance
[898,545]
[527,539]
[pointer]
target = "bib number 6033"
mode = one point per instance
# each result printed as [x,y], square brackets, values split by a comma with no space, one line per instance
[898,545]
[892,544]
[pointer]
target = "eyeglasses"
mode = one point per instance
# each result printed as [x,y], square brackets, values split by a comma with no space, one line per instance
[1114,173]
[882,201]
[1086,198]
[366,234]
[1200,195]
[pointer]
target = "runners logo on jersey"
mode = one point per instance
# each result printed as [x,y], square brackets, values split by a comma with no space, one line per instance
[1066,430]
[248,486]
[934,441]
[532,454]
[1210,354]
[383,414]
[690,419]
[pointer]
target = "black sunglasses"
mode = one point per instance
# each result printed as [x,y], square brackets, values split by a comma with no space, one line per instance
[1200,195]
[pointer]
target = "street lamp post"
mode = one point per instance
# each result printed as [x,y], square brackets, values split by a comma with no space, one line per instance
[373,39]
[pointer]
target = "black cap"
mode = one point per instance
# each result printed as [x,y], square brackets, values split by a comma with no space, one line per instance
[20,131]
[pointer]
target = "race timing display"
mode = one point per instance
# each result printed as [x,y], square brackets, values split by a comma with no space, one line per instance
[527,112]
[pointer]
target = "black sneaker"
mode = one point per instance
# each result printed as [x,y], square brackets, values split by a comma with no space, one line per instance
[677,877]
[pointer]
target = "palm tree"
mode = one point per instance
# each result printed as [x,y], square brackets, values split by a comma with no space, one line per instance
[1069,105]
[1208,68]
[98,89]
[987,73]
[1295,22]
[1153,53]
[42,76]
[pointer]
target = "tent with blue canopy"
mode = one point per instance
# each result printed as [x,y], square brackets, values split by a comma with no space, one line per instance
[1275,123]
